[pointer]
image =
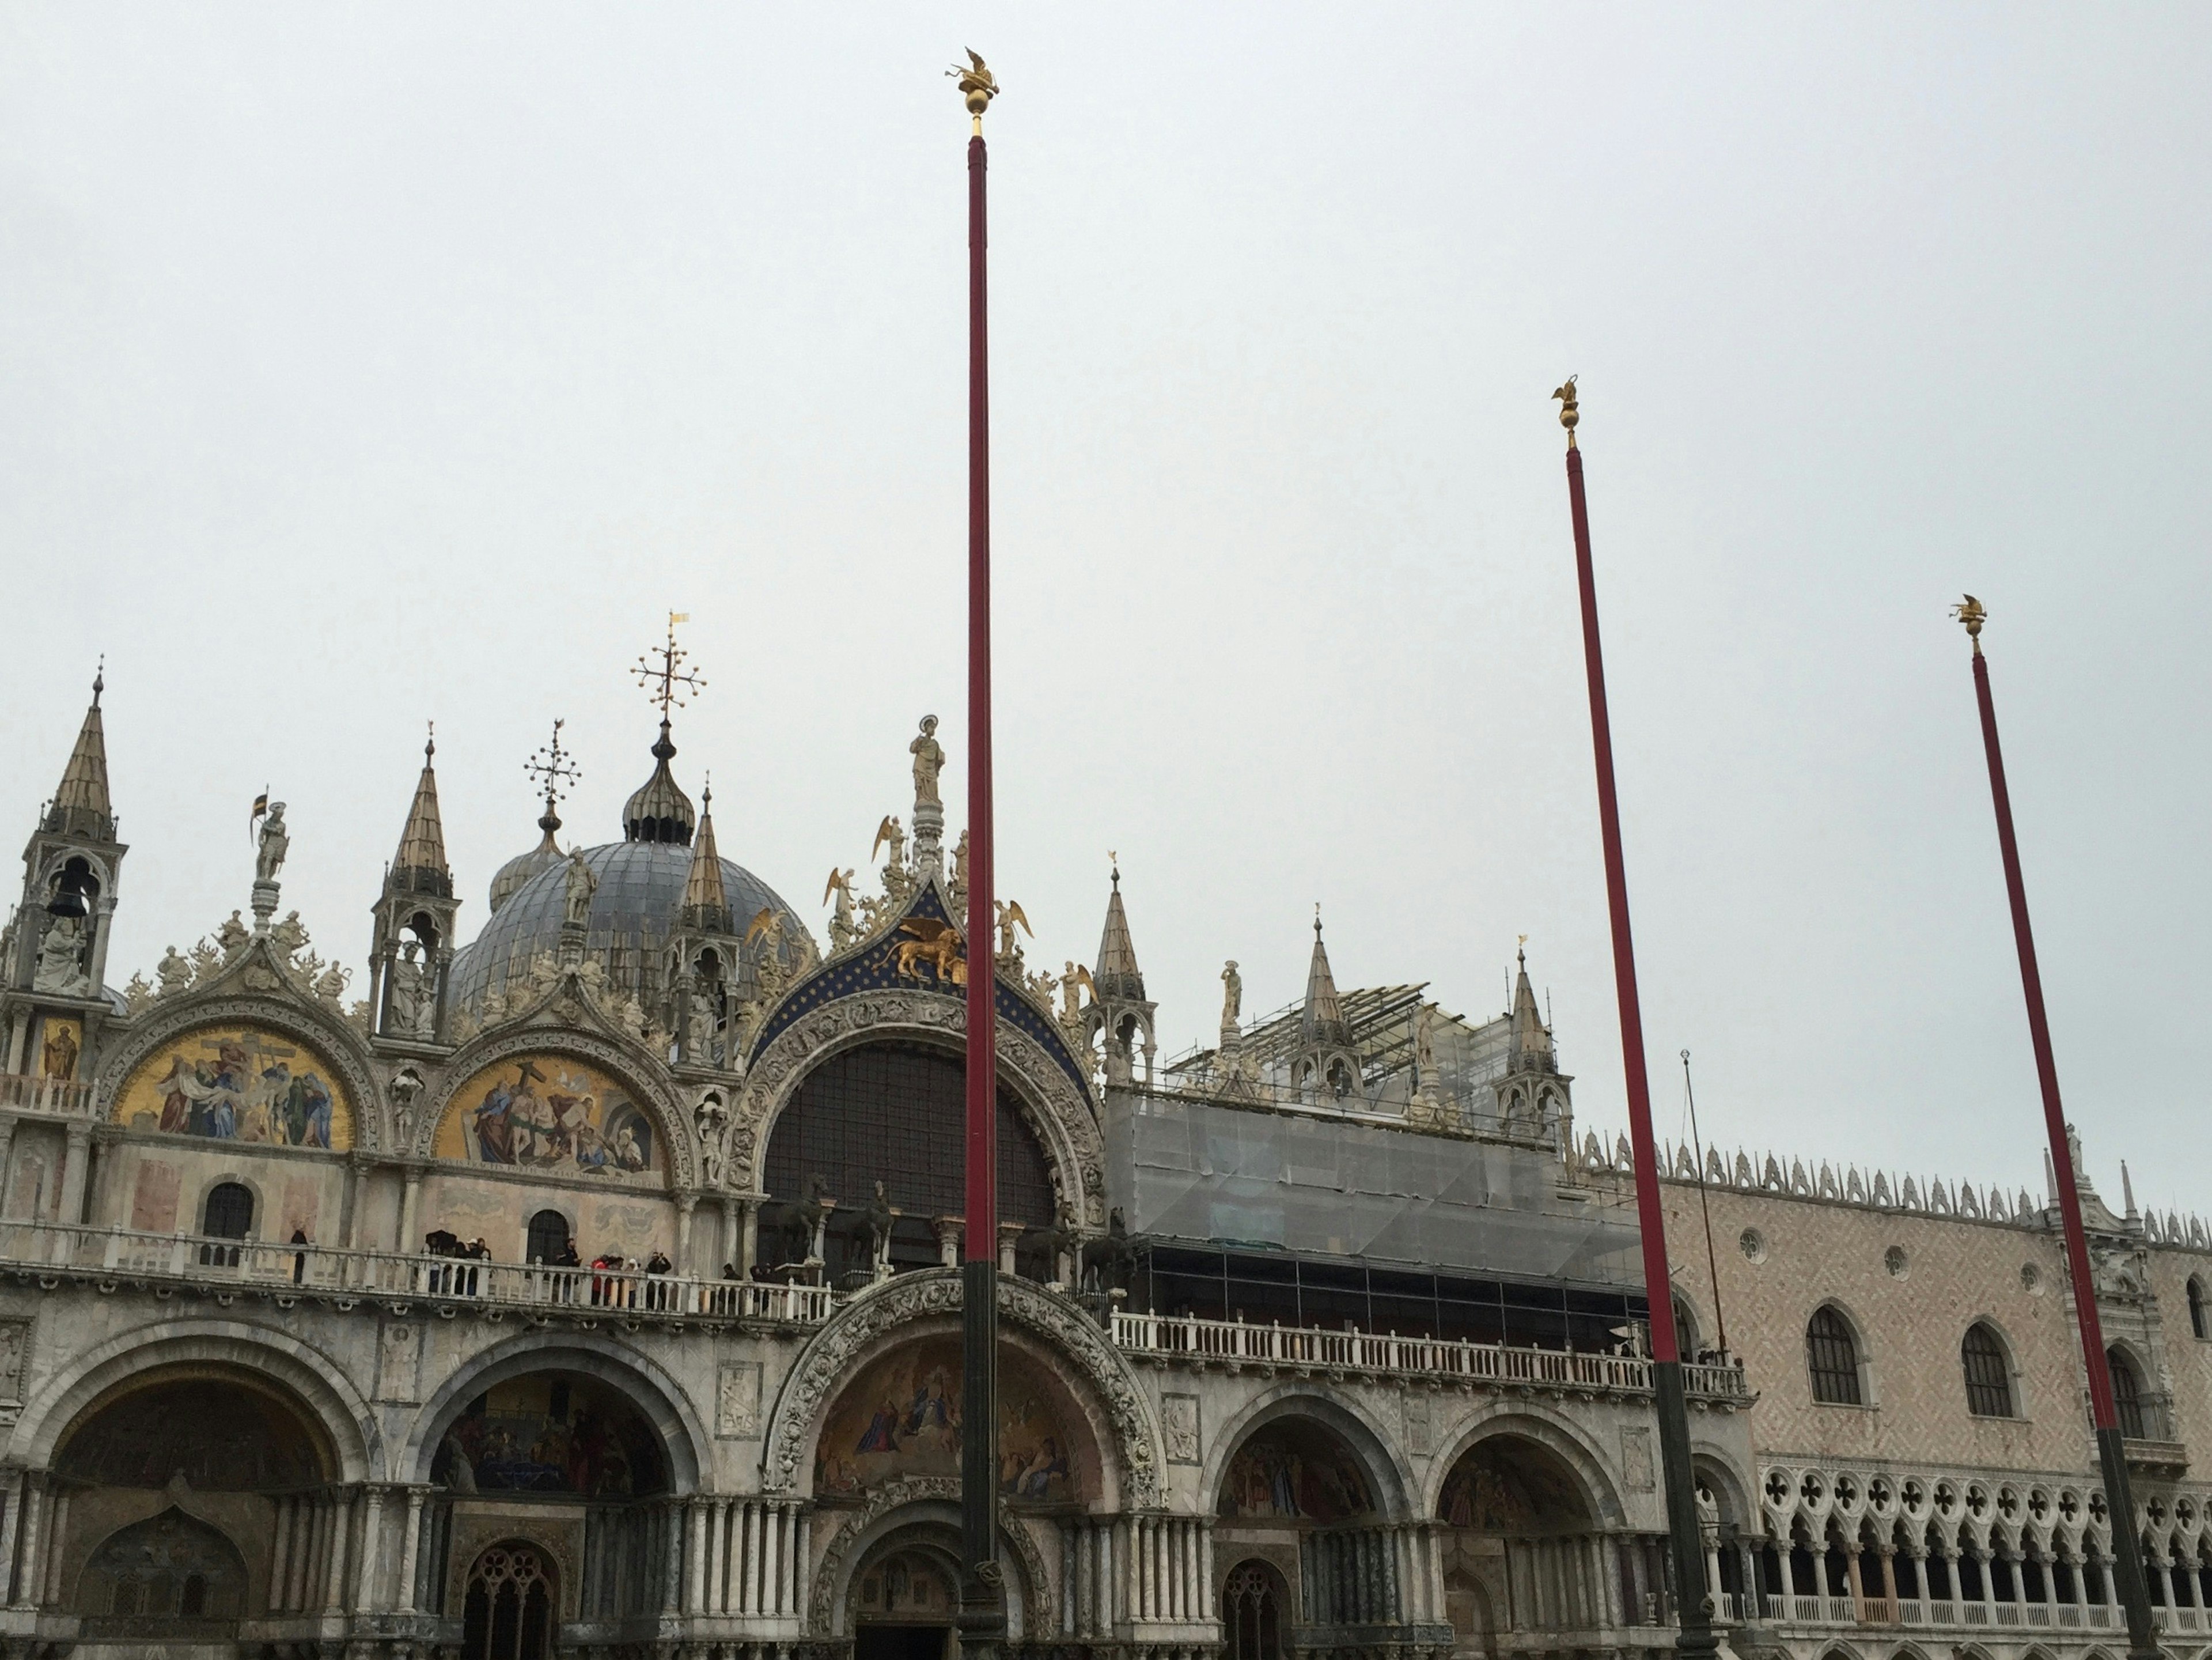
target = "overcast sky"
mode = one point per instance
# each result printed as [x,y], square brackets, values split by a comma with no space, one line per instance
[362,367]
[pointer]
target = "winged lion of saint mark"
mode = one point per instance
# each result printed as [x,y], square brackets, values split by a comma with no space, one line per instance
[936,943]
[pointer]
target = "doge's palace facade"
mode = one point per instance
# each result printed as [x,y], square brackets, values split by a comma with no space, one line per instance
[585,1289]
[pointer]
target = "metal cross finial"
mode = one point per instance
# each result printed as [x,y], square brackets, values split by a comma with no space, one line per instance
[672,673]
[553,764]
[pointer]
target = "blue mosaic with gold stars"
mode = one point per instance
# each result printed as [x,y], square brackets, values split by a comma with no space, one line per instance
[876,968]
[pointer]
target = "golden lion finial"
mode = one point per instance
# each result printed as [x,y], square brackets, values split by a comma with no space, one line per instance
[980,85]
[1971,613]
[1568,415]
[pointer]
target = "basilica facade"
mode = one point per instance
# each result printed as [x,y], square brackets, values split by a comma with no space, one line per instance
[586,1288]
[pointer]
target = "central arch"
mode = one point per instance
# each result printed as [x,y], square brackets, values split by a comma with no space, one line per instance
[914,1305]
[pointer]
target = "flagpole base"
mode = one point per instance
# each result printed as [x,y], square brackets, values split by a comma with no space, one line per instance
[1694,1636]
[2134,1587]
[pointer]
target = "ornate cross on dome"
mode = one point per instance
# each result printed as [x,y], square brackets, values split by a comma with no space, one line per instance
[553,763]
[670,674]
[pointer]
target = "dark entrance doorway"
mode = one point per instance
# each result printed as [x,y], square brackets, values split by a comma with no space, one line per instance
[873,1641]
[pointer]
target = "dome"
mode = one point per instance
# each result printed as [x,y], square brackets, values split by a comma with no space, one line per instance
[641,894]
[518,870]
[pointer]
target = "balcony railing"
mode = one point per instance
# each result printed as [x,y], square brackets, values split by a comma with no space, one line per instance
[1797,1610]
[61,1097]
[1238,1342]
[323,1271]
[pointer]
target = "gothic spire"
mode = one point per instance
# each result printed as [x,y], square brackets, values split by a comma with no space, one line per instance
[81,805]
[420,865]
[1531,1040]
[1116,975]
[1323,1021]
[706,905]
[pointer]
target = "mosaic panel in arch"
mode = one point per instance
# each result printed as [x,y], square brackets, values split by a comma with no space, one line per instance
[552,1431]
[901,1419]
[239,1084]
[1295,1471]
[551,1113]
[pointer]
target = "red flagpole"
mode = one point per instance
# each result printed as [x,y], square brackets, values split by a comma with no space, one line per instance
[2104,1416]
[982,1618]
[1684,1533]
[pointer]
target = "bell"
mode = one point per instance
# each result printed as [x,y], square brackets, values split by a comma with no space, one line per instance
[69,897]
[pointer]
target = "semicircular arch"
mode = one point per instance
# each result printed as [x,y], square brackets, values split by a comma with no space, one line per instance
[316,1383]
[912,1303]
[322,1032]
[1056,1110]
[1551,1431]
[900,1508]
[629,1066]
[1387,1474]
[643,1381]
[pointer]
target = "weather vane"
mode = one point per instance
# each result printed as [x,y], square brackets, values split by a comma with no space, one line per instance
[980,85]
[553,764]
[672,673]
[1973,614]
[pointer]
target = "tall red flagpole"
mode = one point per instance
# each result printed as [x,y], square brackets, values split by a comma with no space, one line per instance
[1685,1537]
[982,1600]
[2111,1451]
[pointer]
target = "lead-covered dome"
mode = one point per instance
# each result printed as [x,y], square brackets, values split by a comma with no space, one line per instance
[637,906]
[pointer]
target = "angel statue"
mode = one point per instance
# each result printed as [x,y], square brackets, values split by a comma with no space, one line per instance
[1010,917]
[1071,993]
[892,831]
[929,761]
[842,929]
[1232,996]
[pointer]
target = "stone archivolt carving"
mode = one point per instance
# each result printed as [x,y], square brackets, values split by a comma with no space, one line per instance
[897,1495]
[302,1019]
[625,1061]
[1069,1131]
[827,1361]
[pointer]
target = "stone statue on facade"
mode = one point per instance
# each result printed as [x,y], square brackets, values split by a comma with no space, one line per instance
[1010,918]
[289,936]
[892,831]
[1232,996]
[699,1032]
[959,891]
[410,1001]
[275,843]
[582,883]
[61,958]
[331,988]
[929,761]
[173,971]
[232,937]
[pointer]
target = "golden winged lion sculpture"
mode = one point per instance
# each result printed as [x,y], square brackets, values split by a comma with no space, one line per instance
[935,943]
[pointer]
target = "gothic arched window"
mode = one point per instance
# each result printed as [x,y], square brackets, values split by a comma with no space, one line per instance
[2127,1394]
[1252,1612]
[1988,1373]
[1832,1356]
[2200,1317]
[509,1613]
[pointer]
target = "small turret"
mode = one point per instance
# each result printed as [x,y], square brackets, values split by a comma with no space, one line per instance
[1325,1062]
[660,811]
[411,943]
[706,906]
[56,945]
[1120,1011]
[1530,1047]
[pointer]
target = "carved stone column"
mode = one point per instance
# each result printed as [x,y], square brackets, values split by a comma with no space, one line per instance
[77,1155]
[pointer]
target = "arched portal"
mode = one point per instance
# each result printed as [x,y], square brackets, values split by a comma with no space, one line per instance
[1525,1547]
[904,1598]
[1295,1494]
[168,1485]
